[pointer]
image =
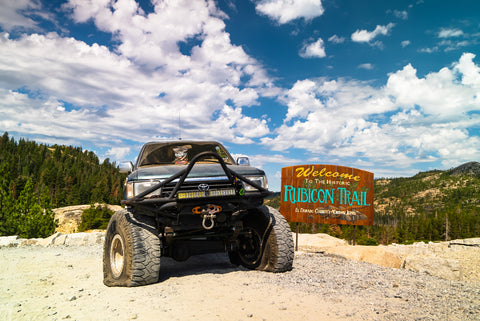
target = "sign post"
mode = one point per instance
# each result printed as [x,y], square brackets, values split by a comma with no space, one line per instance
[327,194]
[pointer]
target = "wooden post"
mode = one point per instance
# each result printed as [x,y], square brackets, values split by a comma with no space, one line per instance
[296,239]
[354,234]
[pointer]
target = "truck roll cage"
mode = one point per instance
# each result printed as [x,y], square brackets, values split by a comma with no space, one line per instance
[233,178]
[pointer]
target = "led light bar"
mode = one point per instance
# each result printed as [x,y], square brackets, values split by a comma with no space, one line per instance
[211,193]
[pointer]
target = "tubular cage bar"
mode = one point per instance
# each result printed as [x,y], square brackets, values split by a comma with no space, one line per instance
[232,176]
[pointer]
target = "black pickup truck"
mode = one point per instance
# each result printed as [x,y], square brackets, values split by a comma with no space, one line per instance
[185,198]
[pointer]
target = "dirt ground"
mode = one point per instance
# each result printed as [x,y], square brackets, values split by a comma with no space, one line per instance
[65,283]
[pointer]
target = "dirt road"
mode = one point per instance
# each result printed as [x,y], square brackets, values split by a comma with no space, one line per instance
[56,283]
[65,283]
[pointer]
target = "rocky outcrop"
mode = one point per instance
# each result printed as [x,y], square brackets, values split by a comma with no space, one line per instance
[76,239]
[454,260]
[70,217]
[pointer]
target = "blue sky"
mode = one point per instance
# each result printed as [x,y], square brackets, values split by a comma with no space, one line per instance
[391,87]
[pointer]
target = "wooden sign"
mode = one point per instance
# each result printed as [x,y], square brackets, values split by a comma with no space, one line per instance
[327,194]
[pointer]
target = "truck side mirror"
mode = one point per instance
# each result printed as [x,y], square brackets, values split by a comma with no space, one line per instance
[125,167]
[243,161]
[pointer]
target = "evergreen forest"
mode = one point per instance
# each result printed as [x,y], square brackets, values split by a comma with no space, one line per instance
[34,178]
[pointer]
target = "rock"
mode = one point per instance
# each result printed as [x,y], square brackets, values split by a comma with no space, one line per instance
[79,239]
[76,239]
[371,254]
[441,267]
[317,242]
[49,240]
[70,217]
[27,242]
[60,240]
[8,240]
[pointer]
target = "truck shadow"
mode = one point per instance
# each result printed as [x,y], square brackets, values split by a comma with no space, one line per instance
[217,263]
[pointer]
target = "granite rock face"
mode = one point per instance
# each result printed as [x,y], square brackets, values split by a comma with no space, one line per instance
[70,217]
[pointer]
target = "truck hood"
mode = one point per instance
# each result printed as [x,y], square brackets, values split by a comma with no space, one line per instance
[198,170]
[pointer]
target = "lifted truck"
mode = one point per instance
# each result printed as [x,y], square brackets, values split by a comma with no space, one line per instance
[187,198]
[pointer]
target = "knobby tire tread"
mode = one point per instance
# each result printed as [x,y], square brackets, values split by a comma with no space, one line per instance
[142,250]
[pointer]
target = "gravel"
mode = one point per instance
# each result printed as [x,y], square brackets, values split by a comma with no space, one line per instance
[65,282]
[393,294]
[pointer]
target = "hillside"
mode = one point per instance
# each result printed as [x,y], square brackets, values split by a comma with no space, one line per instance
[431,205]
[71,175]
[34,178]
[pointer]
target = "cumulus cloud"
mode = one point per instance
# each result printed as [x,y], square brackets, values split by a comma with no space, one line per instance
[409,120]
[119,153]
[284,11]
[56,86]
[369,36]
[313,50]
[15,14]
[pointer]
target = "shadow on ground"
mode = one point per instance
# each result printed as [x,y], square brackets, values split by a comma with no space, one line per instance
[217,263]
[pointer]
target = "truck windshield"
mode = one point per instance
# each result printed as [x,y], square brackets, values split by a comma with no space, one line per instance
[180,153]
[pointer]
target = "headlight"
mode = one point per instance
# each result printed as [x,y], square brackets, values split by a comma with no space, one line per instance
[135,188]
[259,180]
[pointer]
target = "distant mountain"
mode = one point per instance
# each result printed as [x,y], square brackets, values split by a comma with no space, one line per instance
[471,168]
[431,205]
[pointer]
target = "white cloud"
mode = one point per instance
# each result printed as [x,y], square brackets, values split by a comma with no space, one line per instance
[369,36]
[336,39]
[366,66]
[118,153]
[405,43]
[284,11]
[409,120]
[62,87]
[449,33]
[14,14]
[401,14]
[313,50]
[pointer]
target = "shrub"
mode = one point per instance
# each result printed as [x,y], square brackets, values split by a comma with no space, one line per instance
[95,218]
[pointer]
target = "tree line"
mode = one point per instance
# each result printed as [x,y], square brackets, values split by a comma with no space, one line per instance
[34,178]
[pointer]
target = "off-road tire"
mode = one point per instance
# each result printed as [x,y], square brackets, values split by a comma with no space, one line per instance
[132,250]
[277,247]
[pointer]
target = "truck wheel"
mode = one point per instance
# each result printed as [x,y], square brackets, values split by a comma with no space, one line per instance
[275,253]
[131,253]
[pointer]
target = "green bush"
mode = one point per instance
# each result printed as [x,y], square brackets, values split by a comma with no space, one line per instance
[95,218]
[363,240]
